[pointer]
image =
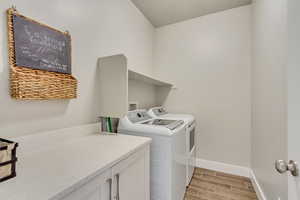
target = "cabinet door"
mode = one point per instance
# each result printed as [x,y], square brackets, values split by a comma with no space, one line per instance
[131,177]
[98,188]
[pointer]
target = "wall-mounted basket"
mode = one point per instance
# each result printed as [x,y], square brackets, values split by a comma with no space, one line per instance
[36,84]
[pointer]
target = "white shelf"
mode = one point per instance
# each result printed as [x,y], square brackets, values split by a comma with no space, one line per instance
[113,79]
[113,86]
[133,75]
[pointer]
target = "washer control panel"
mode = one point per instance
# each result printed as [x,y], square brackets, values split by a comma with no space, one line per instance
[138,116]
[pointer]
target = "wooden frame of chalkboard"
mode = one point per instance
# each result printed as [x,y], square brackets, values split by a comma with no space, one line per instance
[50,80]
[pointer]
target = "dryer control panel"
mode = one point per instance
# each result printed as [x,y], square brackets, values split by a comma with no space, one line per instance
[159,111]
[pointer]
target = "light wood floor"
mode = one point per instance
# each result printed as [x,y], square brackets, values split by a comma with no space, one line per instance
[212,185]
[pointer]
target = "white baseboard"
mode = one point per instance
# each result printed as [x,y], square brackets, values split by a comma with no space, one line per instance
[223,167]
[257,188]
[235,170]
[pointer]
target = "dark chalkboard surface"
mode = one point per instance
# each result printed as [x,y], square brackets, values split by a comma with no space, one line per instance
[40,47]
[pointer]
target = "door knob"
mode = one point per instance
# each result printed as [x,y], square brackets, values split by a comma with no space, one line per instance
[282,167]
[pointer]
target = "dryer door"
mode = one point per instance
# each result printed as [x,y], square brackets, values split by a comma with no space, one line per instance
[179,167]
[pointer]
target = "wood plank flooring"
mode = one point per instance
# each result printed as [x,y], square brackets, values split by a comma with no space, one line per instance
[213,185]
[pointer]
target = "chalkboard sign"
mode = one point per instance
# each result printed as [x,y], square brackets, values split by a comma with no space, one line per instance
[40,47]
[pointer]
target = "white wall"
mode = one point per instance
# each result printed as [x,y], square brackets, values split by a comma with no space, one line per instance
[208,59]
[98,28]
[269,95]
[293,74]
[143,93]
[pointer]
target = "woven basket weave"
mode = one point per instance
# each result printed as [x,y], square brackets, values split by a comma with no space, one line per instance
[8,159]
[34,84]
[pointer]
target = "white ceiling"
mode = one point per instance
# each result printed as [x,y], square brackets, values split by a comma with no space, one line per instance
[163,12]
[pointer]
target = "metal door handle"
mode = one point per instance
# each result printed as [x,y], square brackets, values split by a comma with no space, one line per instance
[117,197]
[110,188]
[282,167]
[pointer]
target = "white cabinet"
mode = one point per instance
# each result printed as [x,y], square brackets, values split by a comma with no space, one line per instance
[127,180]
[131,177]
[98,188]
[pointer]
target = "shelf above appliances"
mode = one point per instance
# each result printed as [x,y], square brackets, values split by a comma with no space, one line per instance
[133,75]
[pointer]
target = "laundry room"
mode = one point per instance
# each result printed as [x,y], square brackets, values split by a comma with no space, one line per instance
[149,100]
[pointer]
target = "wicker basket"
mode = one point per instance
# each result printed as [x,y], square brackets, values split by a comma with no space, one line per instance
[8,159]
[34,84]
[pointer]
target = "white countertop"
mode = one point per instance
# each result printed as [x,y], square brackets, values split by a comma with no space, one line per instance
[61,166]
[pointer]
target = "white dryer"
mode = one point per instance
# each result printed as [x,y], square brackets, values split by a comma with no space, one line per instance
[190,124]
[161,112]
[167,152]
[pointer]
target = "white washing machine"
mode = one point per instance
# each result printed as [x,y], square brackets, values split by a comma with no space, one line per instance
[190,124]
[167,152]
